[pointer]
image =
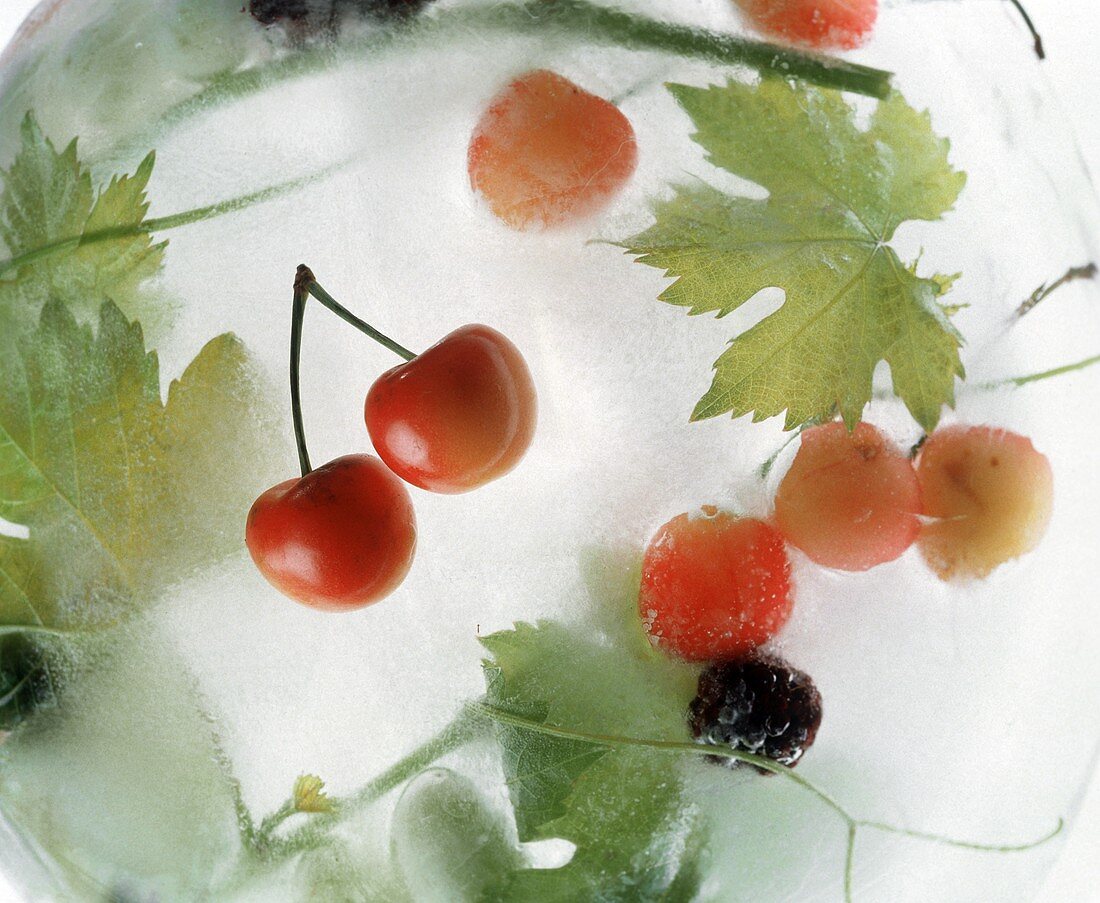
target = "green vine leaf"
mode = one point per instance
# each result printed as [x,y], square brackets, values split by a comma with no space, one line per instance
[837,195]
[122,493]
[341,872]
[59,232]
[449,843]
[621,807]
[540,790]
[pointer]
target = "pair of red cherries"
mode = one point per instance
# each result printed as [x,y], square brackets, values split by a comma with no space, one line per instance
[448,420]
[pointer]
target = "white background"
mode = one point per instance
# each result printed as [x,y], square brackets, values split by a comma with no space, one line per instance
[1071,29]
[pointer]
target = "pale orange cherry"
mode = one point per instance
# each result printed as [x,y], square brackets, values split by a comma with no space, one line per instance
[850,499]
[547,153]
[989,495]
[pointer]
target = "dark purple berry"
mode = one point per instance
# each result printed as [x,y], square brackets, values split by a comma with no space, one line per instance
[271,11]
[758,705]
[318,14]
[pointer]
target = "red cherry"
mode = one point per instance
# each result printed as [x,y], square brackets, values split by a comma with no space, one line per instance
[339,538]
[850,500]
[457,416]
[820,24]
[547,153]
[714,587]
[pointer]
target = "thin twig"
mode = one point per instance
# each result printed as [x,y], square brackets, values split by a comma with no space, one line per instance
[1088,271]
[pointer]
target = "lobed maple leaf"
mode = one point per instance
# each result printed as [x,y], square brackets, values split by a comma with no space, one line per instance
[837,194]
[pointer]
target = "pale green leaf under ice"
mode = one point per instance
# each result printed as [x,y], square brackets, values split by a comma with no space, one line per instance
[57,233]
[623,808]
[122,493]
[117,784]
[449,843]
[837,194]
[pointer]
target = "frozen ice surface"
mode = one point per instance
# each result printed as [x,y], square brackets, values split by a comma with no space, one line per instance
[963,710]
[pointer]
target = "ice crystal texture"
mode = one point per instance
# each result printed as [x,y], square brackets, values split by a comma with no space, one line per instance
[939,695]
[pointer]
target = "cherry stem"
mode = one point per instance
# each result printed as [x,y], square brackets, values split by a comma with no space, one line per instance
[305,284]
[309,284]
[297,318]
[1039,50]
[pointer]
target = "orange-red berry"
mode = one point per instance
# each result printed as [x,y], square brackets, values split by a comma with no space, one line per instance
[819,24]
[714,586]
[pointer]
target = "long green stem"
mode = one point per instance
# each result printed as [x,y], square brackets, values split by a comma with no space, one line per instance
[471,722]
[458,733]
[599,24]
[965,844]
[1018,381]
[164,223]
[852,823]
[503,716]
[310,285]
[245,825]
[579,20]
[1042,375]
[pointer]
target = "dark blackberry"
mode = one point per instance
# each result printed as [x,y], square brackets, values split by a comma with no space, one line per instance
[26,681]
[318,14]
[758,704]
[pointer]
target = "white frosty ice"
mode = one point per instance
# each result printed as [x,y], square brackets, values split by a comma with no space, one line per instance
[955,709]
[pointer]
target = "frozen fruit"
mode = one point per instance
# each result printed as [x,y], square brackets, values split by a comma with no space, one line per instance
[271,11]
[547,153]
[759,705]
[850,500]
[714,586]
[456,416]
[821,24]
[317,13]
[338,538]
[988,495]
